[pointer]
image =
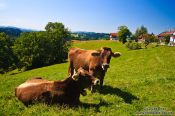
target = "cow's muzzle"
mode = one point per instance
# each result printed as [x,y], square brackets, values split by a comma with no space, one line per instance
[105,66]
[96,81]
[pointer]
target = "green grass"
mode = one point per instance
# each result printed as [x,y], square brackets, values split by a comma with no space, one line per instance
[136,80]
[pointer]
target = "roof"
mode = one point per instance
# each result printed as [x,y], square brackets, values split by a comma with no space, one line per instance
[113,34]
[166,33]
[141,36]
[173,36]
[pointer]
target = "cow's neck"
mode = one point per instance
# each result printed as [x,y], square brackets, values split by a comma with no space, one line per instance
[68,84]
[98,60]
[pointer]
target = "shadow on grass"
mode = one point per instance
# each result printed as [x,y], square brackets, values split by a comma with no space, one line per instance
[96,106]
[15,73]
[127,97]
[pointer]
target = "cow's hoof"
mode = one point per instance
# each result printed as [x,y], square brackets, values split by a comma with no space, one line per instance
[92,91]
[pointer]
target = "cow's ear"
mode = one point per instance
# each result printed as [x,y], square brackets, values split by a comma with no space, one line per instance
[95,53]
[116,54]
[75,76]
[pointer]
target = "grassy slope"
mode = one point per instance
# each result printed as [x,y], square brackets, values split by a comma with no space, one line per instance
[138,79]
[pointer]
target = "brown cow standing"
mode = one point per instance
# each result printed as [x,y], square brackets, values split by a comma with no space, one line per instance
[94,61]
[62,92]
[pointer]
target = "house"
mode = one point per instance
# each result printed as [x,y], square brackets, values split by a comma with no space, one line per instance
[141,38]
[162,35]
[113,36]
[172,40]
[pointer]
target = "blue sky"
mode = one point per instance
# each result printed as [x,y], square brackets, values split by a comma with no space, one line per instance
[89,15]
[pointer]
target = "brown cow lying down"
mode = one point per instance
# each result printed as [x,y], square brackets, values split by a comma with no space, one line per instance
[94,61]
[62,92]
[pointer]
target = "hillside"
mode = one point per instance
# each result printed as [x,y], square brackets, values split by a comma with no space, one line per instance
[80,35]
[138,81]
[13,31]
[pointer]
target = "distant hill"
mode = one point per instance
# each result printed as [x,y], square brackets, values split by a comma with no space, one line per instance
[13,31]
[78,35]
[81,35]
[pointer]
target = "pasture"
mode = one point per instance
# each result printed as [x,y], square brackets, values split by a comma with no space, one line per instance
[139,80]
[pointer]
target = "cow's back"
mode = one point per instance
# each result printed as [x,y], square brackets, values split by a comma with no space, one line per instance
[37,80]
[32,89]
[82,58]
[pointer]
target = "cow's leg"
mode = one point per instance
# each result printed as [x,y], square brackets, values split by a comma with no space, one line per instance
[101,83]
[83,92]
[91,73]
[92,88]
[101,80]
[71,69]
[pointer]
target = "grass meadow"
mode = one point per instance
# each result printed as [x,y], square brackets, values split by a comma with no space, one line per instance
[139,81]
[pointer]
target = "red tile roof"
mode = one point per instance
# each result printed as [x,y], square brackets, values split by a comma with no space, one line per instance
[113,34]
[166,33]
[173,36]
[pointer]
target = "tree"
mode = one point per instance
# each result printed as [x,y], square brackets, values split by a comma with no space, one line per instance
[167,39]
[36,49]
[31,49]
[149,38]
[133,37]
[59,36]
[132,45]
[123,33]
[7,58]
[141,31]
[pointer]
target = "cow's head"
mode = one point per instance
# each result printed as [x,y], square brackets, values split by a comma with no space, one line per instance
[105,55]
[84,78]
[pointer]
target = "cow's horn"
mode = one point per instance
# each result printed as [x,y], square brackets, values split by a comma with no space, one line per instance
[75,76]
